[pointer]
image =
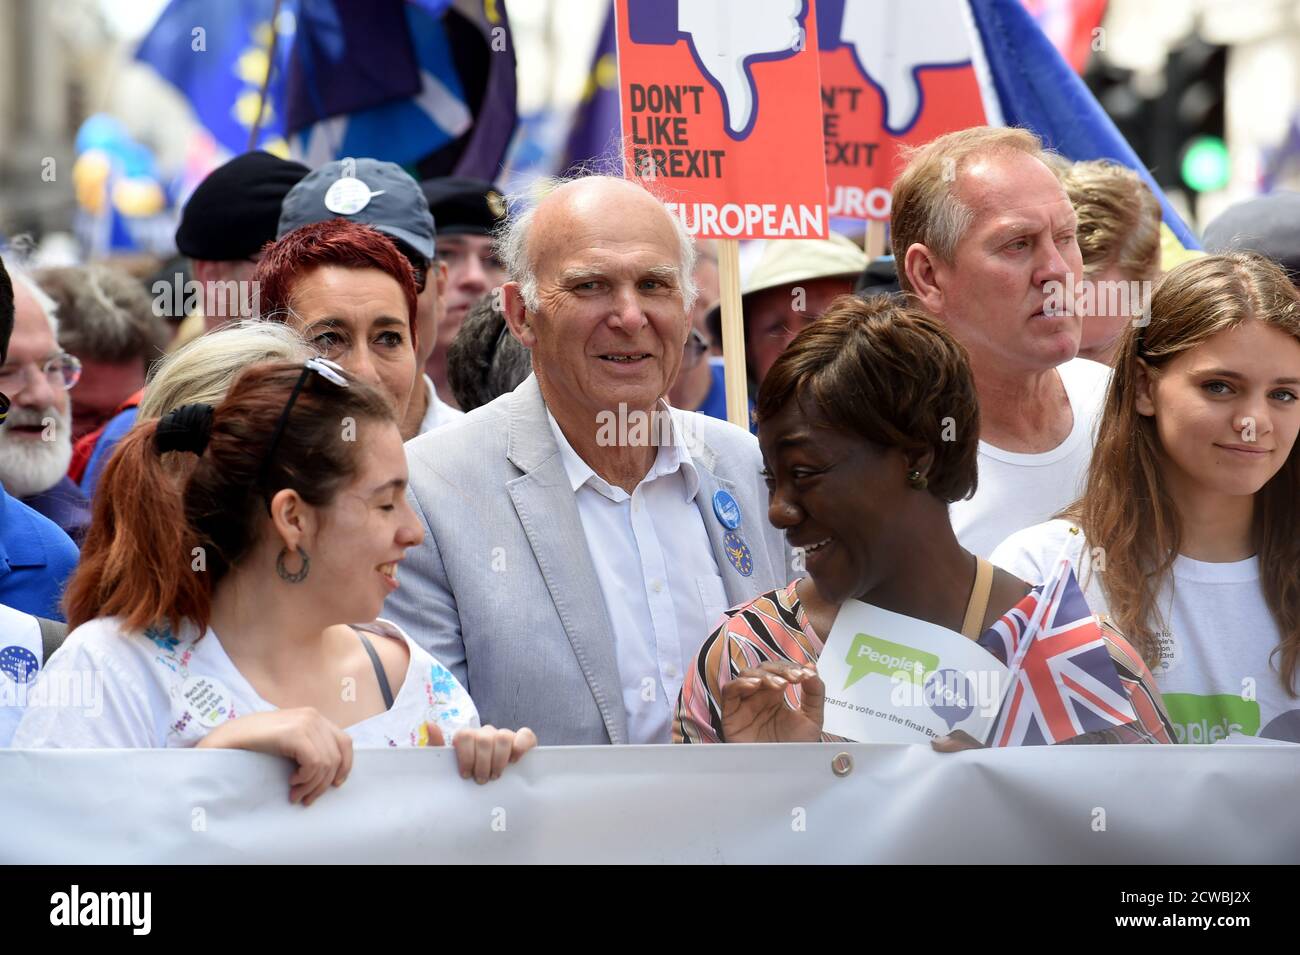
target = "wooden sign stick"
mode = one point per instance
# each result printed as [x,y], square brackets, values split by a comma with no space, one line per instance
[875,244]
[733,333]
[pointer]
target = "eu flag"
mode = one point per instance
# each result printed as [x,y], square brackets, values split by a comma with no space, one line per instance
[428,84]
[596,132]
[217,56]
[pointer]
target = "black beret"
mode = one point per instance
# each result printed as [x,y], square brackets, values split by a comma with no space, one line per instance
[463,205]
[235,210]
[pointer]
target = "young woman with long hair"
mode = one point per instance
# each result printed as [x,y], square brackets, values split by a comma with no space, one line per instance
[1187,535]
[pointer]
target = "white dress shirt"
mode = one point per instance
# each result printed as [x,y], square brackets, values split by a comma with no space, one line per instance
[657,575]
[438,412]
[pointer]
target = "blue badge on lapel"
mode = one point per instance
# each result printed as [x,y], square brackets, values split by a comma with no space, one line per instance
[738,553]
[20,663]
[726,509]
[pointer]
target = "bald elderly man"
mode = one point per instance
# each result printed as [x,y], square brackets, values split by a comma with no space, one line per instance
[583,538]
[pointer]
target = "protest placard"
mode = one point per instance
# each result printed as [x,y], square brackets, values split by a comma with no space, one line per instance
[787,803]
[719,104]
[893,75]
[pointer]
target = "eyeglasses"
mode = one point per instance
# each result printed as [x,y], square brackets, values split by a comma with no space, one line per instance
[331,372]
[61,371]
[697,346]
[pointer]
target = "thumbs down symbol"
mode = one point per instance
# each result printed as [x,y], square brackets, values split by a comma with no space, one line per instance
[893,42]
[726,37]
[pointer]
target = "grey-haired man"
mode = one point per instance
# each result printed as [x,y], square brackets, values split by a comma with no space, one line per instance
[583,538]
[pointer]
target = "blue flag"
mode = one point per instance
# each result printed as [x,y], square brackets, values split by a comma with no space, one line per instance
[428,84]
[448,100]
[348,58]
[216,55]
[597,129]
[1038,90]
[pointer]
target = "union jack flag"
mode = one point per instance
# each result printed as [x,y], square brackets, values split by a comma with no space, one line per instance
[1063,680]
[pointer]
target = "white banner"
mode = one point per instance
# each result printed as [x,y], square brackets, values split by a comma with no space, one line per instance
[762,803]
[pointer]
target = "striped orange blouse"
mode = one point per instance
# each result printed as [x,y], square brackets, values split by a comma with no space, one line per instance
[774,627]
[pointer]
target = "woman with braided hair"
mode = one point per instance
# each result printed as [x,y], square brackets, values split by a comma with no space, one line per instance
[219,599]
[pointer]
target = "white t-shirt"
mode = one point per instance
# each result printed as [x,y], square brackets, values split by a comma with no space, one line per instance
[1019,490]
[1214,671]
[110,688]
[20,663]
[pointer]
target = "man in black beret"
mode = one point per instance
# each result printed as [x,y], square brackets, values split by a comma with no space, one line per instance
[466,210]
[225,223]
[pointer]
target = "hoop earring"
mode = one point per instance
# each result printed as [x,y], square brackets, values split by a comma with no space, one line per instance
[917,480]
[300,575]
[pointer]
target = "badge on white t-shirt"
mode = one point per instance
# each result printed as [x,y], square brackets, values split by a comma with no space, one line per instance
[206,700]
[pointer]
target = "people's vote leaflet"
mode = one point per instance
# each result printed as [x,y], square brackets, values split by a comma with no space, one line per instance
[893,678]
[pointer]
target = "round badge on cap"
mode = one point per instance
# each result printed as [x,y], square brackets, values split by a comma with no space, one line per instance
[726,509]
[496,203]
[348,195]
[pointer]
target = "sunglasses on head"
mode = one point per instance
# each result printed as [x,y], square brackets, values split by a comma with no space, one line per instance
[330,371]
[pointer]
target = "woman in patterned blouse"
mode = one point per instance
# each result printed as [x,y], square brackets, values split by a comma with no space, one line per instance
[869,427]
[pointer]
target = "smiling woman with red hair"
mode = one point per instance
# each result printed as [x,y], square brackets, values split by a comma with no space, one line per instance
[352,294]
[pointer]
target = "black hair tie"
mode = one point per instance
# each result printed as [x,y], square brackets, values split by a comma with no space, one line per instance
[186,428]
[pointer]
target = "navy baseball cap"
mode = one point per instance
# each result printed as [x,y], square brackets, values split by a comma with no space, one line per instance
[378,194]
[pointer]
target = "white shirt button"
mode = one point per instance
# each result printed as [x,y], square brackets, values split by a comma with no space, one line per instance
[657,585]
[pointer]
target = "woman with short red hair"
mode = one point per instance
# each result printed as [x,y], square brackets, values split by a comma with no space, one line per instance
[352,294]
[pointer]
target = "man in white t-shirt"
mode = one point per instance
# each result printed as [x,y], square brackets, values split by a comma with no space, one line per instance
[984,235]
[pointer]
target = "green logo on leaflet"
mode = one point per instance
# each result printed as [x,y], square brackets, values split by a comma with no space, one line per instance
[873,655]
[1208,719]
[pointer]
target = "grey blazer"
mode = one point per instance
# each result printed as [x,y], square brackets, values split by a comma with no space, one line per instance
[503,590]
